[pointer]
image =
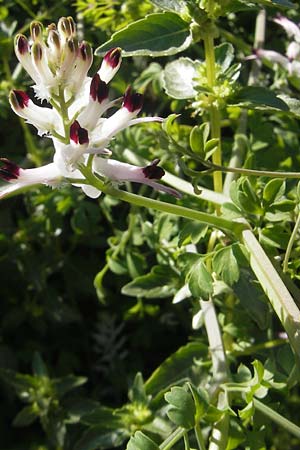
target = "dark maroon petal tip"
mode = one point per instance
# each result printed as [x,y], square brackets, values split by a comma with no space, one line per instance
[22,44]
[132,102]
[78,135]
[113,56]
[85,51]
[9,170]
[98,89]
[153,171]
[21,98]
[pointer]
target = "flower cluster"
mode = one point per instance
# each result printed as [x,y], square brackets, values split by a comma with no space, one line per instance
[73,119]
[291,60]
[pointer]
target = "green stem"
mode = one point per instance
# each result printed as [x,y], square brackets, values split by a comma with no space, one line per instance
[172,439]
[186,442]
[199,437]
[209,219]
[290,244]
[277,418]
[215,117]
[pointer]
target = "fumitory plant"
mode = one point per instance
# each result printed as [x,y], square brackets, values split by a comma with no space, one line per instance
[193,341]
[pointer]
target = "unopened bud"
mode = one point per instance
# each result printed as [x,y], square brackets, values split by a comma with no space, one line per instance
[21,44]
[113,57]
[36,31]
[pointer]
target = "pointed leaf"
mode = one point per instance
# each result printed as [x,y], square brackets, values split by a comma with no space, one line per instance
[141,442]
[200,280]
[158,34]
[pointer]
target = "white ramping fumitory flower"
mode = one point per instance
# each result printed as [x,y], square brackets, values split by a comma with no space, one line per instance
[73,119]
[291,60]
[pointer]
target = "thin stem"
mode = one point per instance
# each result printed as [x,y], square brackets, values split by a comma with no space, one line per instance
[278,418]
[218,222]
[172,439]
[199,437]
[186,442]
[290,244]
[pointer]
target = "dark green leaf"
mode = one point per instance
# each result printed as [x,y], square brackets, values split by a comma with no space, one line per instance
[192,232]
[258,97]
[26,416]
[137,393]
[67,383]
[38,366]
[273,190]
[161,282]
[94,438]
[158,34]
[175,368]
[224,55]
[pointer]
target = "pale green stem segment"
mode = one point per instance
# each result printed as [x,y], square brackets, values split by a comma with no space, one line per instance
[209,219]
[239,146]
[276,417]
[280,298]
[199,437]
[215,119]
[290,244]
[173,438]
[186,442]
[219,434]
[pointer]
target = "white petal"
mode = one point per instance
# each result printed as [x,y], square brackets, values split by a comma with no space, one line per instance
[290,27]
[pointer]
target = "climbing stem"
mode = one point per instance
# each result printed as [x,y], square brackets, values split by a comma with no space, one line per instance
[209,219]
[215,118]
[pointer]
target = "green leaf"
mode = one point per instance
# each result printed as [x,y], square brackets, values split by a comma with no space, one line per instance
[256,97]
[174,368]
[182,411]
[224,54]
[273,190]
[38,366]
[225,264]
[158,34]
[137,393]
[67,383]
[161,282]
[141,442]
[26,416]
[192,232]
[102,417]
[95,439]
[201,400]
[200,280]
[180,78]
[178,6]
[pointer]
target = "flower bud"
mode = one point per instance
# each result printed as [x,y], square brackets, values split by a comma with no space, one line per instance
[21,45]
[98,89]
[110,64]
[18,99]
[36,31]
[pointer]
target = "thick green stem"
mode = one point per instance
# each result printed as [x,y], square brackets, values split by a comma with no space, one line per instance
[199,437]
[215,118]
[280,298]
[278,418]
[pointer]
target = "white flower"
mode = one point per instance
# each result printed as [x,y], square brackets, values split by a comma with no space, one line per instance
[75,121]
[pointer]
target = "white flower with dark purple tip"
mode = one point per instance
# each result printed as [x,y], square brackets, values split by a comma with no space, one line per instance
[120,172]
[44,119]
[19,178]
[291,29]
[110,64]
[97,105]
